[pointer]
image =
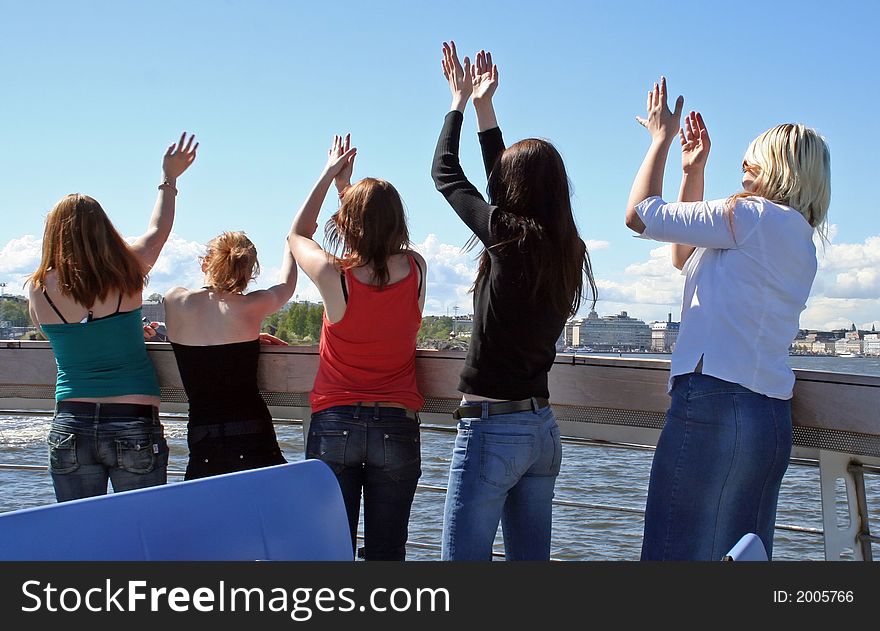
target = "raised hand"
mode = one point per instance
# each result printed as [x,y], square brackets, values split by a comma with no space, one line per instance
[662,123]
[179,156]
[340,158]
[343,178]
[695,143]
[459,77]
[484,77]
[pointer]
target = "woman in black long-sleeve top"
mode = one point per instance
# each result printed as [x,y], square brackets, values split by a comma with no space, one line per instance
[507,453]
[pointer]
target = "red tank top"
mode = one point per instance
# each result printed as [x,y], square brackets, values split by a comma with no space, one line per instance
[370,354]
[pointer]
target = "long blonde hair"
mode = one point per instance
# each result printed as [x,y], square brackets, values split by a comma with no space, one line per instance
[792,166]
[87,253]
[231,262]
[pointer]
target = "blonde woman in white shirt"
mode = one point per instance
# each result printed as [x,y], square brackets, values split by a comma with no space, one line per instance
[749,262]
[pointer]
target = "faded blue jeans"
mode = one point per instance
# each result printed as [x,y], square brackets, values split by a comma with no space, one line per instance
[90,443]
[717,470]
[503,468]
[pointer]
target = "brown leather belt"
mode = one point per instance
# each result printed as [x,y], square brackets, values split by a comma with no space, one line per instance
[502,407]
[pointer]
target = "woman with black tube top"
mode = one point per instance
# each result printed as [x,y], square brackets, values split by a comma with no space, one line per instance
[215,334]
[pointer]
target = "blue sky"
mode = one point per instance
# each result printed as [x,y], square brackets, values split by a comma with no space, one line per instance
[94,92]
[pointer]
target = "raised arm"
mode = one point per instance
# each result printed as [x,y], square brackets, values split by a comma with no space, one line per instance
[663,126]
[449,177]
[310,256]
[485,82]
[270,300]
[695,145]
[177,159]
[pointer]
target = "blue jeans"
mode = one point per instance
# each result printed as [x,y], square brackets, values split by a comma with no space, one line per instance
[89,443]
[503,468]
[374,450]
[717,470]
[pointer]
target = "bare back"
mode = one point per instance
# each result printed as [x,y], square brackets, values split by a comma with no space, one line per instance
[205,317]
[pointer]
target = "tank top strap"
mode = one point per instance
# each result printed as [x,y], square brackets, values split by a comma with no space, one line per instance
[54,308]
[414,267]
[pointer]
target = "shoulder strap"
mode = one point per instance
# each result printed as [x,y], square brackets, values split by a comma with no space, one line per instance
[414,262]
[54,308]
[118,303]
[344,288]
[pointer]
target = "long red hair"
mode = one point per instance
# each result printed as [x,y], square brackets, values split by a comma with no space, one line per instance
[87,253]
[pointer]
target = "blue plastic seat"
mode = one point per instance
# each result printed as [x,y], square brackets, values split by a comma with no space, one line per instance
[749,548]
[290,512]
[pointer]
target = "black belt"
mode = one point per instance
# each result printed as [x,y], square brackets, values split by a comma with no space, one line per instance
[231,428]
[108,410]
[408,413]
[502,407]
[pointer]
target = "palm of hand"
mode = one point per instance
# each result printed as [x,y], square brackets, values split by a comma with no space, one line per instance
[179,156]
[484,85]
[694,154]
[695,142]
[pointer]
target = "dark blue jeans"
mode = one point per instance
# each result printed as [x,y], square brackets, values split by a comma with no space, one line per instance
[374,450]
[90,443]
[717,470]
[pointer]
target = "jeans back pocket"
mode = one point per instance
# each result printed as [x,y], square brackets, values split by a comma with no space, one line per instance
[328,446]
[504,458]
[62,452]
[138,454]
[403,455]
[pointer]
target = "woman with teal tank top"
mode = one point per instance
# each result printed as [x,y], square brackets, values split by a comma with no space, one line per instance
[86,297]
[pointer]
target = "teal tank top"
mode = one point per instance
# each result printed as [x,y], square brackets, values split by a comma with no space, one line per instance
[102,358]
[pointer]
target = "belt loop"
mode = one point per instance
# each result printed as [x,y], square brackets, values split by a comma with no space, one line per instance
[357,410]
[97,412]
[534,401]
[375,410]
[485,413]
[417,417]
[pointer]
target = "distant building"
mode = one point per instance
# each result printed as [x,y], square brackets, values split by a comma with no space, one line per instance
[664,335]
[153,310]
[871,344]
[463,325]
[609,333]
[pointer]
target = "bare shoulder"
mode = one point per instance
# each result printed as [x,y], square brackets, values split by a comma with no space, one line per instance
[418,258]
[176,295]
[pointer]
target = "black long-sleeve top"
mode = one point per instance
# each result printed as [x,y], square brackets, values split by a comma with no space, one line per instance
[513,343]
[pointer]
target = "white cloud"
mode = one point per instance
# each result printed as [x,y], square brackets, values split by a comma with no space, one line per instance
[18,259]
[649,290]
[177,266]
[846,290]
[451,272]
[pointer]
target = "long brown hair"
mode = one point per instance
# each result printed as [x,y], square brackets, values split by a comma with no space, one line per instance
[231,262]
[530,188]
[369,227]
[89,256]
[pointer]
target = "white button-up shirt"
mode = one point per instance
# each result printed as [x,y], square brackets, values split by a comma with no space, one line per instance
[745,287]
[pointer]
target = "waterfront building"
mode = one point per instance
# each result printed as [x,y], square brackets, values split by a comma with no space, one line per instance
[609,333]
[664,335]
[871,344]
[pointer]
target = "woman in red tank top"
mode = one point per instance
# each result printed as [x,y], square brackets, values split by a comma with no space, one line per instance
[365,400]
